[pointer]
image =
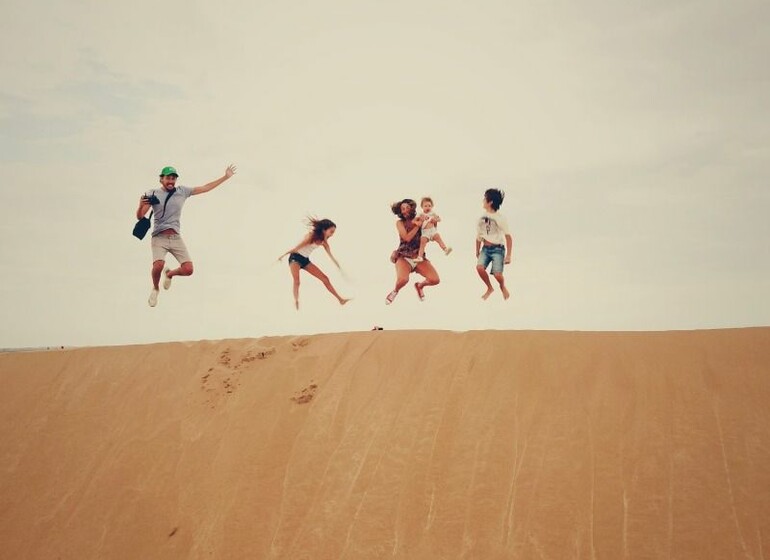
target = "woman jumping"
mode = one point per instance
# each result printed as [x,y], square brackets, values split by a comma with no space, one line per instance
[318,236]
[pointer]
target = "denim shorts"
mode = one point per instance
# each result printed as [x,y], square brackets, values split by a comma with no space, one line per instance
[494,254]
[301,260]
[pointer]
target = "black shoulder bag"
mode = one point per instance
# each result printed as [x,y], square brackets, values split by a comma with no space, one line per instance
[143,224]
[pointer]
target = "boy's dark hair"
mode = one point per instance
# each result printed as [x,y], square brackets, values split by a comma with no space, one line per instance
[318,227]
[396,208]
[494,197]
[426,199]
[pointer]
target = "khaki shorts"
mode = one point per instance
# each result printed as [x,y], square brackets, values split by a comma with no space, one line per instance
[162,244]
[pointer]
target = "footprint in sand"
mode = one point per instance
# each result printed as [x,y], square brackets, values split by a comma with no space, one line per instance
[224,358]
[299,342]
[306,395]
[260,354]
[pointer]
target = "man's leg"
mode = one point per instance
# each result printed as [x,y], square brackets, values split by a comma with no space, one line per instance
[185,269]
[179,250]
[157,268]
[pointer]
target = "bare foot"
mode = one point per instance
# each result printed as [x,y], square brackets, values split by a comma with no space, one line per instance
[296,304]
[487,293]
[343,301]
[506,295]
[420,293]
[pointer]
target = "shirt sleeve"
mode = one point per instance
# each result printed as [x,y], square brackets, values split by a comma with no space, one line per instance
[185,191]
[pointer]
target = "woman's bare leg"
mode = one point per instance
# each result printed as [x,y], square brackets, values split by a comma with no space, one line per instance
[402,277]
[295,268]
[315,271]
[431,278]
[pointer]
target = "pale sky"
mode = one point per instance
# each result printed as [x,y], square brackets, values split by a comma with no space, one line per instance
[632,141]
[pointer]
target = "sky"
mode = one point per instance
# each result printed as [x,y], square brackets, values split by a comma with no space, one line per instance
[632,141]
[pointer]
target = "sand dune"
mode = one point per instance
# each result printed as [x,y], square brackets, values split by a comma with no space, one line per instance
[423,445]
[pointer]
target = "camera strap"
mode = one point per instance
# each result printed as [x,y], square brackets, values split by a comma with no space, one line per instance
[166,202]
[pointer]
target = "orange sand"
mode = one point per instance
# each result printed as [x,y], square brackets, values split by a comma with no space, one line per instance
[419,445]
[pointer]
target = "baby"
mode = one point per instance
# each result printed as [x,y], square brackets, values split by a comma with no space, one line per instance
[429,231]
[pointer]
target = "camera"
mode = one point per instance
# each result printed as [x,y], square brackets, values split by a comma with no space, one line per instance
[152,199]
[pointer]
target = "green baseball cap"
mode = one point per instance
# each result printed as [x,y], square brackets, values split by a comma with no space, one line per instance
[168,171]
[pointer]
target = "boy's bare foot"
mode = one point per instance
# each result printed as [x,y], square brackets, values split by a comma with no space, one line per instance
[506,295]
[487,293]
[296,304]
[343,301]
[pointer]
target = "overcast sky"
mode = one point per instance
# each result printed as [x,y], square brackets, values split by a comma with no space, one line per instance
[632,141]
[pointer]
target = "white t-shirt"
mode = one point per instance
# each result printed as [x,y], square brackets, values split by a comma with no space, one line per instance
[492,227]
[428,227]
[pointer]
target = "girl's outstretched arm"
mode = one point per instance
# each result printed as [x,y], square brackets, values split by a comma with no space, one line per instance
[305,241]
[329,252]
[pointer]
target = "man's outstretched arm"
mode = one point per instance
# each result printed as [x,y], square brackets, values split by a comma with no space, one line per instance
[229,172]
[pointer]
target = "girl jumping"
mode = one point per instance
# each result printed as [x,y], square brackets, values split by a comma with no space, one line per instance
[318,236]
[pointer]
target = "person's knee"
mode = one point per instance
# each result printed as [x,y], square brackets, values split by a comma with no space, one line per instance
[157,266]
[481,269]
[186,269]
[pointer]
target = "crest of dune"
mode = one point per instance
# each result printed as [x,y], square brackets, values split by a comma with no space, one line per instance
[409,444]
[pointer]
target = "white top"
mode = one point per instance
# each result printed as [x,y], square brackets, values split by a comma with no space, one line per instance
[428,226]
[492,227]
[305,250]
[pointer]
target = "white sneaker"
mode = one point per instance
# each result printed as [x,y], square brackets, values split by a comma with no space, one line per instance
[166,279]
[153,301]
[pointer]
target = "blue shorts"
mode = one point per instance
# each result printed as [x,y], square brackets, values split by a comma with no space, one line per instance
[494,254]
[301,260]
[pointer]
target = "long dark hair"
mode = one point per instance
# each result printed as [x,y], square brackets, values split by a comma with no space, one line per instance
[396,208]
[318,227]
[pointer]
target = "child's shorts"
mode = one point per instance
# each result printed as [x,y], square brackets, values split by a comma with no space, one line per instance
[429,233]
[494,254]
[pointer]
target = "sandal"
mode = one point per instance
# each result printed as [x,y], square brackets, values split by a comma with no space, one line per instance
[390,297]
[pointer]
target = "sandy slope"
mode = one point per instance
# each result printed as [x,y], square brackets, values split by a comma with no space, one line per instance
[385,444]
